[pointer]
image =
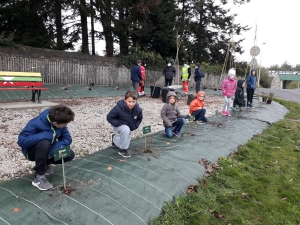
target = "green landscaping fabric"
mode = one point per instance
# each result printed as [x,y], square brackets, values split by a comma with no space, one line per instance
[108,189]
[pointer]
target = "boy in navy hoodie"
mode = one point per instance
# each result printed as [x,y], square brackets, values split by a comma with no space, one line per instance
[125,117]
[41,137]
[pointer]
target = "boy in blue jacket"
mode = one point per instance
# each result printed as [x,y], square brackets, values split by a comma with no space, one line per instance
[41,137]
[125,117]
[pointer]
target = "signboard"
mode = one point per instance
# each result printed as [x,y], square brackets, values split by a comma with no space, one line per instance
[254,51]
[62,153]
[191,118]
[147,129]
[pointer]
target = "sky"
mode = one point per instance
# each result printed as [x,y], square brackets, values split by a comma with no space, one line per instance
[277,27]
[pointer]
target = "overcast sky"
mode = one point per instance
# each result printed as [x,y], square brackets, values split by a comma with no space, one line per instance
[277,26]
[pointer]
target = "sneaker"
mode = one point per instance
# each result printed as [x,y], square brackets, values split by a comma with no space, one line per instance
[224,113]
[124,153]
[112,140]
[50,170]
[228,114]
[200,122]
[177,134]
[251,107]
[41,182]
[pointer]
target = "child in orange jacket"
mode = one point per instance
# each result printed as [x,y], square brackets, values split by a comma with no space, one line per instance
[197,108]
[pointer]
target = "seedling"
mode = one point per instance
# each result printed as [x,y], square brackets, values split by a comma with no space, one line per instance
[60,154]
[191,120]
[146,130]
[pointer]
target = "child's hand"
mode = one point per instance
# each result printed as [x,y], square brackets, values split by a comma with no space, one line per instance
[200,107]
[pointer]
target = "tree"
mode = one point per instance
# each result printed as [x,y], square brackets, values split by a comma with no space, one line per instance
[25,22]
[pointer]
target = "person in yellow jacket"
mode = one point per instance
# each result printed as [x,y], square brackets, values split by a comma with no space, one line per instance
[185,77]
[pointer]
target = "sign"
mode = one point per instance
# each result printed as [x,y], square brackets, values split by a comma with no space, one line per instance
[146,129]
[191,118]
[253,62]
[62,153]
[254,51]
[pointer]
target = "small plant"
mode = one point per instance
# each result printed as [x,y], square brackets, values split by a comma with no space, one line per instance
[264,96]
[270,98]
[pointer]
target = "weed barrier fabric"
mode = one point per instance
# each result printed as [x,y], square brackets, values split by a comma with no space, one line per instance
[108,189]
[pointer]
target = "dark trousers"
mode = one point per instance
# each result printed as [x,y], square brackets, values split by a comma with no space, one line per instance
[38,92]
[168,82]
[250,93]
[200,115]
[198,83]
[39,154]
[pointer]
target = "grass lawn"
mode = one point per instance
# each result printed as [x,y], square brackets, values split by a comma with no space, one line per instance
[259,184]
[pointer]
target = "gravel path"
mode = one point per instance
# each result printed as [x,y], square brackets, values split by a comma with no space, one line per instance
[90,130]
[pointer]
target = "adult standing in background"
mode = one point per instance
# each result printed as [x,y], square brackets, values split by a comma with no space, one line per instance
[136,75]
[251,86]
[169,72]
[198,76]
[185,77]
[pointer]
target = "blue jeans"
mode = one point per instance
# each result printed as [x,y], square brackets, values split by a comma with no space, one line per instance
[200,115]
[135,85]
[175,128]
[168,82]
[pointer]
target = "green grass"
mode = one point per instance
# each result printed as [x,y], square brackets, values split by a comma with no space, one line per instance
[293,84]
[260,184]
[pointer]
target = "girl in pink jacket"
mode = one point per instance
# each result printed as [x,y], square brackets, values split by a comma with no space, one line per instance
[228,90]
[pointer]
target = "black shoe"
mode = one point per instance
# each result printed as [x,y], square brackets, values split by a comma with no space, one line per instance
[124,153]
[112,140]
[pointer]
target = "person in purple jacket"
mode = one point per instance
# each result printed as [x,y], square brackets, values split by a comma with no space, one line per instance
[41,137]
[228,90]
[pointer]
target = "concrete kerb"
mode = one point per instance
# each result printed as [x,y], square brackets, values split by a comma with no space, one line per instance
[15,105]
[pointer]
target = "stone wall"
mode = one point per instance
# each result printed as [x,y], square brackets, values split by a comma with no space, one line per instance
[59,67]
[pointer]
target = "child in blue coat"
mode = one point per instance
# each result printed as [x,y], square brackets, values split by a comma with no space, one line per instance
[41,137]
[125,117]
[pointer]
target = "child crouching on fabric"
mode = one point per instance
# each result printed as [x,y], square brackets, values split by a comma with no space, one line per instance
[125,117]
[197,108]
[239,99]
[228,90]
[172,119]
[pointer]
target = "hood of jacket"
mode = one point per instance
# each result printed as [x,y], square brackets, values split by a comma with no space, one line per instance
[171,93]
[240,83]
[252,71]
[200,93]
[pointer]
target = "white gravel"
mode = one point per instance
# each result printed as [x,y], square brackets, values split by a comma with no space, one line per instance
[90,130]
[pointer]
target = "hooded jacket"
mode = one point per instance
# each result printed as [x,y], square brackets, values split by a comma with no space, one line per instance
[251,80]
[198,74]
[196,103]
[239,94]
[122,115]
[41,128]
[170,112]
[228,87]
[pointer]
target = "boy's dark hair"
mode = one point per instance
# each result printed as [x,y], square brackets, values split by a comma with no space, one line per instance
[198,64]
[61,114]
[131,94]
